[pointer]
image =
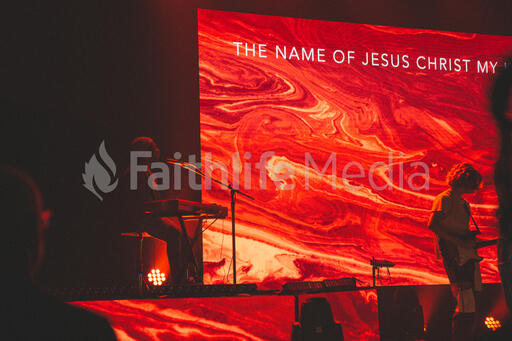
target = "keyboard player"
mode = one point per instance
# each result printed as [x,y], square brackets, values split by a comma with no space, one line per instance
[132,217]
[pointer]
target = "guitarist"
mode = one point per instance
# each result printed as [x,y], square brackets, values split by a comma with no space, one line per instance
[450,223]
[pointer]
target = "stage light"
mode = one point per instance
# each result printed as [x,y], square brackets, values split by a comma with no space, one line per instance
[156,277]
[492,323]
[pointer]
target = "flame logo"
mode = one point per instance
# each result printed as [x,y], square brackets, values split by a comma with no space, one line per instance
[99,175]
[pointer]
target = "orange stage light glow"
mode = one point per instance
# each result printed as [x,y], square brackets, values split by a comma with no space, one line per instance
[156,277]
[492,323]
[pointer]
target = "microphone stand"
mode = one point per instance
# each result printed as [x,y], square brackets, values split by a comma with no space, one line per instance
[233,192]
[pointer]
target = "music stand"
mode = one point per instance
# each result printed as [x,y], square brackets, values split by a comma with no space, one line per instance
[377,264]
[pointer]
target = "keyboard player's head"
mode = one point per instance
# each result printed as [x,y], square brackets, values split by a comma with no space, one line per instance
[143,143]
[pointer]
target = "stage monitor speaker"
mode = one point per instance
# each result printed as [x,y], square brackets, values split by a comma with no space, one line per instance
[316,322]
[424,312]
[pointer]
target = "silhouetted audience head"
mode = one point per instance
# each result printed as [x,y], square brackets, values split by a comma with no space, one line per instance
[30,314]
[23,219]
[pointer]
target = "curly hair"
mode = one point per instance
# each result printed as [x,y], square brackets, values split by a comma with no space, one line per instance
[464,175]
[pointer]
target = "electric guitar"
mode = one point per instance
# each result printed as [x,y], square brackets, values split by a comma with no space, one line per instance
[462,254]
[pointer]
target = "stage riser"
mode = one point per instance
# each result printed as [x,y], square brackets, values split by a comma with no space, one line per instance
[232,318]
[372,314]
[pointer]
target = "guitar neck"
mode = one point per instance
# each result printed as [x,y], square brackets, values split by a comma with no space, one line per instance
[485,243]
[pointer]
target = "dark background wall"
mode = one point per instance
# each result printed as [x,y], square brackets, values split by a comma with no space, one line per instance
[74,74]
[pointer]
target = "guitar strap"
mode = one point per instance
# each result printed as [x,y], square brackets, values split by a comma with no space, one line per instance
[466,205]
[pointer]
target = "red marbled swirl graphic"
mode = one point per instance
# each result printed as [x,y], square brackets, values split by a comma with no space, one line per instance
[262,318]
[363,114]
[249,318]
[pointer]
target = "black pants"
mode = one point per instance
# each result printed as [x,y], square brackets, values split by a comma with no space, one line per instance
[169,231]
